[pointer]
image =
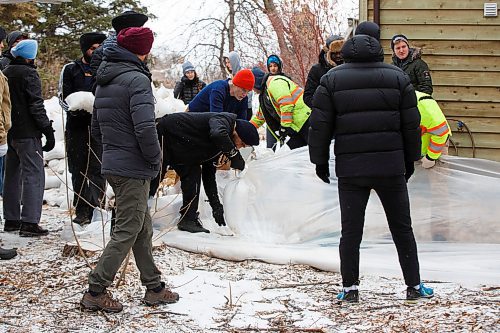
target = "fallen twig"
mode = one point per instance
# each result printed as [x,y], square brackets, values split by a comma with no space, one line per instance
[293,285]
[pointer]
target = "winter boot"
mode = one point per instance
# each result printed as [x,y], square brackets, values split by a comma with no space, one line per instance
[351,296]
[81,220]
[101,301]
[6,254]
[413,294]
[12,225]
[32,230]
[160,295]
[191,226]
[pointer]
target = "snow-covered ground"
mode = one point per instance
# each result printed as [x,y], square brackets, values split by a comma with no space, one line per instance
[40,291]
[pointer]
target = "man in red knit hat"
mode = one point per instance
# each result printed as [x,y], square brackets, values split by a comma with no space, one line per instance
[123,122]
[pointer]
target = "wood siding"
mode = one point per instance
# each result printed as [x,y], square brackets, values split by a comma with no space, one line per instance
[462,49]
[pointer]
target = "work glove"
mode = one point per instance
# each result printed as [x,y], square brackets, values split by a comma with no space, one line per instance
[237,161]
[410,169]
[218,214]
[427,162]
[284,132]
[3,149]
[50,140]
[323,172]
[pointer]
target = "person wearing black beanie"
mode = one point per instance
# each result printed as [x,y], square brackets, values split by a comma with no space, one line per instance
[409,59]
[195,144]
[82,163]
[128,19]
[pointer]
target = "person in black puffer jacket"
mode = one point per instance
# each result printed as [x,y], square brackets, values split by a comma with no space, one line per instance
[329,57]
[190,84]
[81,148]
[371,109]
[123,120]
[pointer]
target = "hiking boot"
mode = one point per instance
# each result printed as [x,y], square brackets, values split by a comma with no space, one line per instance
[12,225]
[32,230]
[162,296]
[6,254]
[191,226]
[102,301]
[351,296]
[81,220]
[413,294]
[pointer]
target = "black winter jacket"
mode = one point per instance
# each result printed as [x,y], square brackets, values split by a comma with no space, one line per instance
[314,76]
[76,76]
[123,119]
[28,113]
[5,59]
[193,138]
[186,89]
[371,109]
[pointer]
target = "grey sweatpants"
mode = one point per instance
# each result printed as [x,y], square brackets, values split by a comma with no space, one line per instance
[133,230]
[24,180]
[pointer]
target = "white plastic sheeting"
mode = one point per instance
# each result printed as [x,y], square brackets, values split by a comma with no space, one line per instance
[281,212]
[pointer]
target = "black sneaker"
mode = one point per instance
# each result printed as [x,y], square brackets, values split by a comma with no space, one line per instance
[12,225]
[193,226]
[32,230]
[351,296]
[413,294]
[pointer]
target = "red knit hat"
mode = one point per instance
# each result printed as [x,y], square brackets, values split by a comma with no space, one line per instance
[244,79]
[136,40]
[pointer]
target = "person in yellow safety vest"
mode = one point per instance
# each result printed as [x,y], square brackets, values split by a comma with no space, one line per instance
[282,107]
[434,129]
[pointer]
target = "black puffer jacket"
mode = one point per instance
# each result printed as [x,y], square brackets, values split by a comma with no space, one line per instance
[28,113]
[187,89]
[314,76]
[196,137]
[371,109]
[123,118]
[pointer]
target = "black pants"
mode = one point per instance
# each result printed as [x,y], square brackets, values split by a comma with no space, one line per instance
[85,170]
[191,177]
[393,193]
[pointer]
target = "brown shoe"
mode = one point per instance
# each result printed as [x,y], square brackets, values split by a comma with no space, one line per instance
[103,301]
[164,296]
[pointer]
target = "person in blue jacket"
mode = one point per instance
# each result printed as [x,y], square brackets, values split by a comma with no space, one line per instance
[225,95]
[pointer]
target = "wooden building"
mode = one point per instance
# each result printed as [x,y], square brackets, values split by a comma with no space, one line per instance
[460,41]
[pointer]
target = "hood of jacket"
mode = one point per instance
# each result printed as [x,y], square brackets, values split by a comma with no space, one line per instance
[117,61]
[234,60]
[362,48]
[413,54]
[322,59]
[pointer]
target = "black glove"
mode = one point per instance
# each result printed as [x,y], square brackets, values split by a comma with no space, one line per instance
[284,132]
[50,140]
[237,162]
[218,214]
[410,169]
[323,172]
